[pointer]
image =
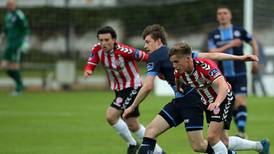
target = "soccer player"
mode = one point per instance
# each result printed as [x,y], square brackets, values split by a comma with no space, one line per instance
[16,30]
[204,75]
[119,62]
[228,38]
[185,107]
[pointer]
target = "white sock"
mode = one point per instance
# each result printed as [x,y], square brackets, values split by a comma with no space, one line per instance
[123,131]
[237,143]
[219,148]
[157,149]
[141,133]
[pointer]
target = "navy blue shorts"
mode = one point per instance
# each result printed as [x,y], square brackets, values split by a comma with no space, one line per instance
[124,98]
[239,84]
[187,109]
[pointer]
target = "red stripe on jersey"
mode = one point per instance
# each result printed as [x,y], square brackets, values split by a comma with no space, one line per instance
[137,70]
[202,93]
[212,92]
[194,80]
[130,74]
[120,72]
[103,62]
[208,93]
[116,83]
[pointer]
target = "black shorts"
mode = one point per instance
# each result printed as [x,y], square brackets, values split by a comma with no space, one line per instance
[124,98]
[223,113]
[239,84]
[187,109]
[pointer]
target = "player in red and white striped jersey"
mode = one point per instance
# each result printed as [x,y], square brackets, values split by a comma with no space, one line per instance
[119,62]
[206,78]
[202,77]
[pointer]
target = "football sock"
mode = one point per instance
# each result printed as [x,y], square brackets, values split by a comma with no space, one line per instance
[123,131]
[219,148]
[147,146]
[241,117]
[140,134]
[237,144]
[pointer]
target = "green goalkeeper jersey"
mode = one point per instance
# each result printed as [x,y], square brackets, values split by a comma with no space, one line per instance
[16,28]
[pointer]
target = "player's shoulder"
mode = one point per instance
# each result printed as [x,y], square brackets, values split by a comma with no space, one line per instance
[161,53]
[123,48]
[238,27]
[202,60]
[203,63]
[20,14]
[97,47]
[214,31]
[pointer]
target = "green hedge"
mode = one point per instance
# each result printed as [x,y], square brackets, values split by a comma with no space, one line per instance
[178,18]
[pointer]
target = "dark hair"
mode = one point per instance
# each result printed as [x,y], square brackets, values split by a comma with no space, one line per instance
[156,31]
[106,30]
[181,48]
[223,7]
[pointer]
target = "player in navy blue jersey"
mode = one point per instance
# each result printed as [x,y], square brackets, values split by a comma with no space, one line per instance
[185,107]
[228,38]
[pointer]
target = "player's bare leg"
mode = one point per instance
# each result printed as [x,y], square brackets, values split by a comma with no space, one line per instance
[113,118]
[197,141]
[215,132]
[136,127]
[156,127]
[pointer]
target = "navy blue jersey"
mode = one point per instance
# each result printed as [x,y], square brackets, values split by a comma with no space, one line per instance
[159,65]
[220,37]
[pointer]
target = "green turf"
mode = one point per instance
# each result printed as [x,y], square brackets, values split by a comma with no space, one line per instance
[74,123]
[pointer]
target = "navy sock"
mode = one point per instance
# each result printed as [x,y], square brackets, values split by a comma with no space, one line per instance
[147,146]
[241,117]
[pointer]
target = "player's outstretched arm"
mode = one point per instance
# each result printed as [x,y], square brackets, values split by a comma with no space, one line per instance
[224,56]
[142,94]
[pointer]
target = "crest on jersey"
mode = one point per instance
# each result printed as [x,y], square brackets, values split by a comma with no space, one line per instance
[118,101]
[237,33]
[150,66]
[117,62]
[217,36]
[214,72]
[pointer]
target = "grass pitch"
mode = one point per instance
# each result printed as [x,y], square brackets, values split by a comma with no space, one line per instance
[74,123]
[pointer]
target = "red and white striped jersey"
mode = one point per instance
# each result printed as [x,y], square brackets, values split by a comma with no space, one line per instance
[119,64]
[204,73]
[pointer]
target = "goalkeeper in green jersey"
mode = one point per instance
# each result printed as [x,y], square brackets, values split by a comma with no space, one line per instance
[15,32]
